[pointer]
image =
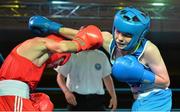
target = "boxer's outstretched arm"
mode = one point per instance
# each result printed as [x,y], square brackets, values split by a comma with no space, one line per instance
[89,37]
[61,47]
[68,33]
[107,39]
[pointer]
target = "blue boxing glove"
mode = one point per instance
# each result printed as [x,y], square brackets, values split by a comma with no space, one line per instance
[128,69]
[42,25]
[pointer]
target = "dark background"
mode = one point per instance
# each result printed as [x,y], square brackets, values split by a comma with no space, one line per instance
[165,31]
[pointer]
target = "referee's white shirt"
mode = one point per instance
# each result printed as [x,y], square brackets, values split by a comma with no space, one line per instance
[85,70]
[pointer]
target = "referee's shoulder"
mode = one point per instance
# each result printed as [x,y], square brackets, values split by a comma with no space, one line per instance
[100,52]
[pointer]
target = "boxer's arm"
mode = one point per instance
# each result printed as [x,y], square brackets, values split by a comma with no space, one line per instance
[60,47]
[69,33]
[87,38]
[107,39]
[155,61]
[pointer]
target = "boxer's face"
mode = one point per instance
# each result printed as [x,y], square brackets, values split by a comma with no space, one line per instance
[122,39]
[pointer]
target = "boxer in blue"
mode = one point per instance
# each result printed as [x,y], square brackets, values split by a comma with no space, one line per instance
[136,60]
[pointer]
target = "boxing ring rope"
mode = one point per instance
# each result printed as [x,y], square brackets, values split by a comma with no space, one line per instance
[116,89]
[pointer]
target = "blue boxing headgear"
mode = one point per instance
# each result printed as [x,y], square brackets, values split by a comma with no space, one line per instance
[134,22]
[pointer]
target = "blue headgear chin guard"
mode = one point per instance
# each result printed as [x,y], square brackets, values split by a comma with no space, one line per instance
[131,21]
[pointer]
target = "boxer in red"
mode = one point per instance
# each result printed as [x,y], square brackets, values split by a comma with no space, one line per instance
[22,69]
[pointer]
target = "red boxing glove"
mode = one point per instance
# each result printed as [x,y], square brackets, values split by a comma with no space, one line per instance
[57,58]
[41,102]
[89,37]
